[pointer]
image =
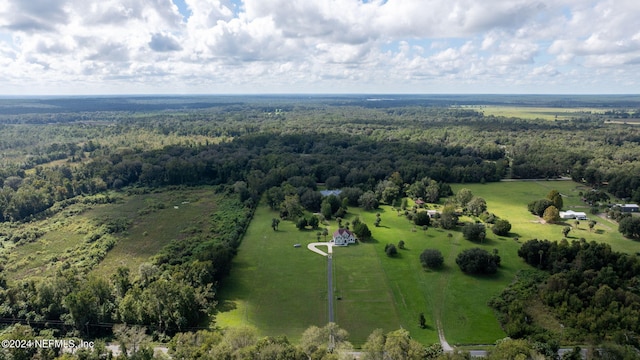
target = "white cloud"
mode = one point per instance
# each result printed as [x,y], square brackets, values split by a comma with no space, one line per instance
[323,45]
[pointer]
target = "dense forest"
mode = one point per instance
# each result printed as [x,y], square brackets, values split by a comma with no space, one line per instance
[233,142]
[590,288]
[56,153]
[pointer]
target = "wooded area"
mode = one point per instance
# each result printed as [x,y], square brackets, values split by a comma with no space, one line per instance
[61,153]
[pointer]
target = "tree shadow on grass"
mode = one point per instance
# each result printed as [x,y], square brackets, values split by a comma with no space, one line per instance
[371,240]
[486,277]
[428,327]
[398,255]
[225,306]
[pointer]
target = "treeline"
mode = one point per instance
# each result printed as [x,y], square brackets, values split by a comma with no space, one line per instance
[591,290]
[262,161]
[314,343]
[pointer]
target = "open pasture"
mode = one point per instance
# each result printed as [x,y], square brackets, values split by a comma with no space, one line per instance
[509,200]
[156,220]
[281,290]
[534,112]
[153,221]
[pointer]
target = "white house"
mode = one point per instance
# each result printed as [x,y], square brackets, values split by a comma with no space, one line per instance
[330,192]
[570,214]
[343,237]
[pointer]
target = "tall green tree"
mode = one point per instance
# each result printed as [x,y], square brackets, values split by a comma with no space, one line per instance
[477,206]
[373,349]
[556,199]
[431,258]
[501,227]
[630,227]
[368,201]
[400,345]
[290,208]
[551,215]
[464,196]
[448,217]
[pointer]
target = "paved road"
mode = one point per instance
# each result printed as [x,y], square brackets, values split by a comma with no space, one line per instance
[330,285]
[314,247]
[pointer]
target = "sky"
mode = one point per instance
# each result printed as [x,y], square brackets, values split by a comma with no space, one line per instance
[86,47]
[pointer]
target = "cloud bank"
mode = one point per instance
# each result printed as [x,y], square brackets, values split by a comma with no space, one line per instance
[327,46]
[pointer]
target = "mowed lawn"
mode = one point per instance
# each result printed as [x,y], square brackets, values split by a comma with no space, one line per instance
[282,290]
[375,291]
[509,200]
[447,295]
[273,286]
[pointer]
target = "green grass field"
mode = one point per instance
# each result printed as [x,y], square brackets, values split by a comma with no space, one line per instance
[273,286]
[534,112]
[375,291]
[459,301]
[281,290]
[509,200]
[158,219]
[155,222]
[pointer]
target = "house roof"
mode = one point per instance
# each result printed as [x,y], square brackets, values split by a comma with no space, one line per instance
[340,232]
[571,212]
[330,192]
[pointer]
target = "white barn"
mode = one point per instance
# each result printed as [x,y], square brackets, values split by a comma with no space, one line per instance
[343,237]
[570,214]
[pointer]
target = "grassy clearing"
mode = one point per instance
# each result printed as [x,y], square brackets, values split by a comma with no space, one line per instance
[458,300]
[155,222]
[157,219]
[509,200]
[375,291]
[530,112]
[281,290]
[40,258]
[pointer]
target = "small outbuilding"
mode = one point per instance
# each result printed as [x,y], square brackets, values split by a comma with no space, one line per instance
[626,208]
[570,214]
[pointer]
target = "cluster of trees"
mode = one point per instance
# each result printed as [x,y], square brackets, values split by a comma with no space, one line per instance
[245,343]
[547,208]
[474,232]
[469,203]
[431,258]
[361,230]
[478,261]
[477,206]
[590,289]
[630,227]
